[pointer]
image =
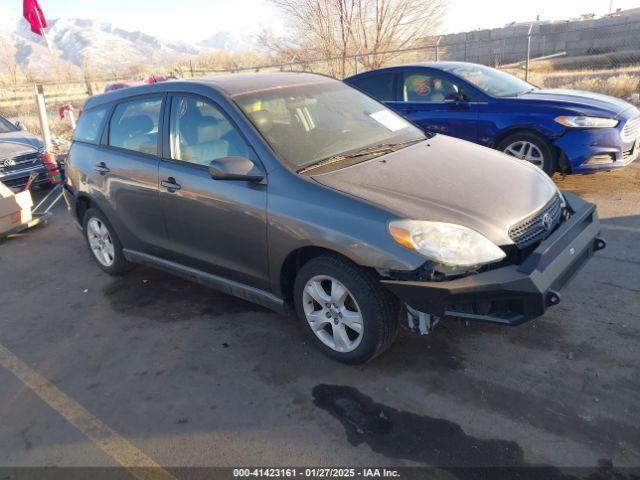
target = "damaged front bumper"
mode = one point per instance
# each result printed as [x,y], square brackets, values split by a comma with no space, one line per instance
[512,294]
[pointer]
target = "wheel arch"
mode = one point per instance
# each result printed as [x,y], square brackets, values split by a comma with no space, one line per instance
[294,261]
[558,159]
[520,129]
[83,203]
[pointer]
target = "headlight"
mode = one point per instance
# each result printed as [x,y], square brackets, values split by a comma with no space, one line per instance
[587,122]
[445,243]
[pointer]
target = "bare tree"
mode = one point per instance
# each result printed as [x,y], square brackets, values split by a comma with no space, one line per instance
[387,25]
[336,29]
[9,62]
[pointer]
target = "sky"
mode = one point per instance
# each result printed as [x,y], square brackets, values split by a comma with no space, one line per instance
[194,20]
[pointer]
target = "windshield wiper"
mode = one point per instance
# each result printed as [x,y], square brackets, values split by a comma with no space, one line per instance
[374,150]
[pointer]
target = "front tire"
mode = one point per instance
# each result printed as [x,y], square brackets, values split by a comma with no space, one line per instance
[103,243]
[344,310]
[532,148]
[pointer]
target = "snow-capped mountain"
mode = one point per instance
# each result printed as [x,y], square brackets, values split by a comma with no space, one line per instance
[79,42]
[231,42]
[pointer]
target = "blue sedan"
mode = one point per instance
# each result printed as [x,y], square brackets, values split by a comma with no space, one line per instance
[556,130]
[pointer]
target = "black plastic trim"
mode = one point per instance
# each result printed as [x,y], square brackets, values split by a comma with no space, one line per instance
[515,293]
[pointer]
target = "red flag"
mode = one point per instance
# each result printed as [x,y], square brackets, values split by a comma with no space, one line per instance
[32,12]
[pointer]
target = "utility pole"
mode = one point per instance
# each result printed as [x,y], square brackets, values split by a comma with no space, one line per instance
[526,72]
[42,116]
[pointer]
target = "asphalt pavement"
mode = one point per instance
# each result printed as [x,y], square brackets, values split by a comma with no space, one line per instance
[177,374]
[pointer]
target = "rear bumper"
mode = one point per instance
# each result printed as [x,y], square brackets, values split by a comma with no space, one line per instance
[516,293]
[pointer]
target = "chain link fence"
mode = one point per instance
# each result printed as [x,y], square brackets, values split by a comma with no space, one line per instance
[601,55]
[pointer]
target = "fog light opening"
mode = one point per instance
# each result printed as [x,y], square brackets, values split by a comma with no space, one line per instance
[601,159]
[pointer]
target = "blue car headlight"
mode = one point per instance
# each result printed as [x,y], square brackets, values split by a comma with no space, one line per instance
[586,122]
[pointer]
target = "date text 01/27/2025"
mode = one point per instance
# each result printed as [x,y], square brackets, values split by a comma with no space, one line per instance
[315,473]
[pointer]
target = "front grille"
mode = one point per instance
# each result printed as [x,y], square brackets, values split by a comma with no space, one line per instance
[631,130]
[10,164]
[20,182]
[533,228]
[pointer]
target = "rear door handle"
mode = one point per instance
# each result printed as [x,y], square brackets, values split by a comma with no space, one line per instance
[170,184]
[101,168]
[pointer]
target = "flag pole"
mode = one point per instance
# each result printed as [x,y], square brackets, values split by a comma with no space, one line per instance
[44,34]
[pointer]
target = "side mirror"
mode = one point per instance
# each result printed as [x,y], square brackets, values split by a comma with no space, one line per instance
[19,125]
[235,168]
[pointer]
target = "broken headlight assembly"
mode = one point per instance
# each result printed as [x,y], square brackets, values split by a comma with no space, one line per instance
[451,248]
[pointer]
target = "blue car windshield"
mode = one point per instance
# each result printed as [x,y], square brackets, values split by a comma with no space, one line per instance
[492,81]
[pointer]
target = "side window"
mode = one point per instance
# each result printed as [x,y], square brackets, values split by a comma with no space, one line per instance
[134,125]
[378,86]
[89,125]
[428,88]
[200,133]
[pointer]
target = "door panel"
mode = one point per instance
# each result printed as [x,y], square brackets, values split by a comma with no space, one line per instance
[125,173]
[130,187]
[218,226]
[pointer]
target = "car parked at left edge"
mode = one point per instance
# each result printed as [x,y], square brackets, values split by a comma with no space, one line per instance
[21,154]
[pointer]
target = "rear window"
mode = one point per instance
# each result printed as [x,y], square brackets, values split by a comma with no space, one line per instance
[134,125]
[89,125]
[378,86]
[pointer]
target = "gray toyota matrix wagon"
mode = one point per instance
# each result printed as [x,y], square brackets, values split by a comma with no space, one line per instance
[298,192]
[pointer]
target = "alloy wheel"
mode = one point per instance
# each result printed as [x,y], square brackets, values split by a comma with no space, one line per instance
[332,313]
[526,151]
[100,242]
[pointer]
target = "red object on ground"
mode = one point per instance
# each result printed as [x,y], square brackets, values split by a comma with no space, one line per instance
[64,108]
[50,163]
[32,12]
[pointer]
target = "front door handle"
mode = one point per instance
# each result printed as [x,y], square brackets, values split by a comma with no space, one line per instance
[170,184]
[101,168]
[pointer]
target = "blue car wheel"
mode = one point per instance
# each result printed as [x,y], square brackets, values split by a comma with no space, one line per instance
[530,147]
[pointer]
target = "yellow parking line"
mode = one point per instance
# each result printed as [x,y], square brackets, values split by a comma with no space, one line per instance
[121,450]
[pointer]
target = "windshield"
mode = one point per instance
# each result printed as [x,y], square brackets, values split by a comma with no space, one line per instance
[492,81]
[6,126]
[306,124]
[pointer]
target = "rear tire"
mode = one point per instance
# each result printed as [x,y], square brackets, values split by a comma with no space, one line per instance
[344,309]
[103,243]
[530,147]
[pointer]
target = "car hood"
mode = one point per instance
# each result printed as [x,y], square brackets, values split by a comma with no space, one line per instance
[583,102]
[448,180]
[17,143]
